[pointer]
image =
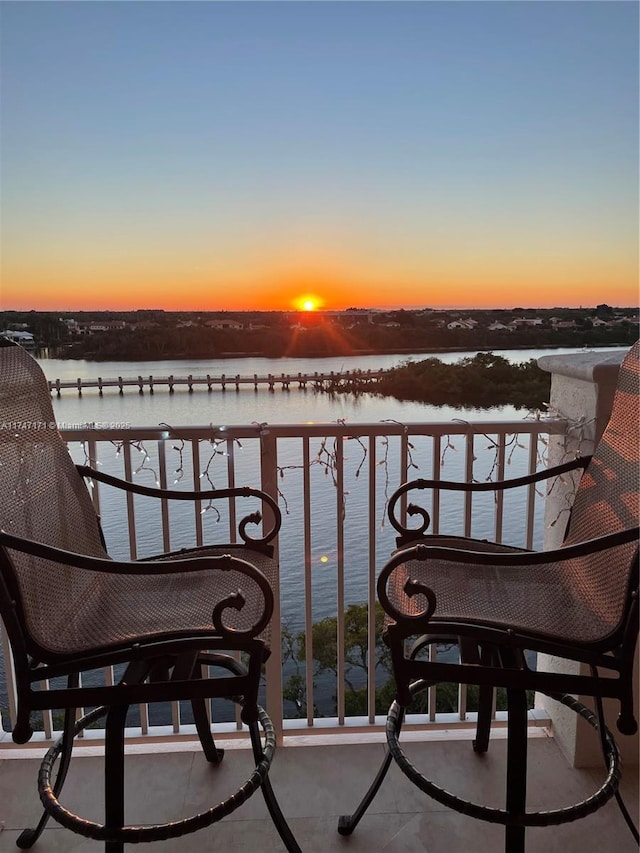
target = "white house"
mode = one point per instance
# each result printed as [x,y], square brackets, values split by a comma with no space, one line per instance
[224,324]
[527,321]
[25,339]
[459,324]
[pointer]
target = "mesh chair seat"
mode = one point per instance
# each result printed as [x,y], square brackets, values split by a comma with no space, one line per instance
[119,608]
[554,600]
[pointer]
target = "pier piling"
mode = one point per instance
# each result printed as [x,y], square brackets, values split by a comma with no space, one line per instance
[318,381]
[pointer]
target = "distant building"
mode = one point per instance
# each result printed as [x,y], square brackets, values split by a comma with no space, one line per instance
[73,326]
[527,321]
[94,326]
[224,324]
[25,339]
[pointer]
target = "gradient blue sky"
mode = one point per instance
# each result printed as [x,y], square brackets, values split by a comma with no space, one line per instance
[242,154]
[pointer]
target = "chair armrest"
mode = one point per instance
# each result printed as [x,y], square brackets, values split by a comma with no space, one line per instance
[503,559]
[407,534]
[205,494]
[224,563]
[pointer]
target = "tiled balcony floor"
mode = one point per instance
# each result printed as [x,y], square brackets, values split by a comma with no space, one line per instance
[316,783]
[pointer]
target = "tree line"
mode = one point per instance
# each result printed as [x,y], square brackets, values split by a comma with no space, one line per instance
[323,340]
[174,335]
[481,381]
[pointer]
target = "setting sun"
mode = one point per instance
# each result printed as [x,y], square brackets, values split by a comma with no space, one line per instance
[308,302]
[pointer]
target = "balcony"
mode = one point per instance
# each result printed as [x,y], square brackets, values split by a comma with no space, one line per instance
[333,482]
[315,784]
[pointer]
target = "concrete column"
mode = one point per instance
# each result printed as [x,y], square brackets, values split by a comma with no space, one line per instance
[582,390]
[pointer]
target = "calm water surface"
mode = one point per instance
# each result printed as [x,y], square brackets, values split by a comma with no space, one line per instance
[246,405]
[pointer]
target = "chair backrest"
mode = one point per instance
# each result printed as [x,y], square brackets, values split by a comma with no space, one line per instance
[608,495]
[42,496]
[608,498]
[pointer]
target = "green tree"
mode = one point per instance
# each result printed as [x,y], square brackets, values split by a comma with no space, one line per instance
[324,638]
[325,657]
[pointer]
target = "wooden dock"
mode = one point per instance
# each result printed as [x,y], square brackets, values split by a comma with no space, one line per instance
[348,380]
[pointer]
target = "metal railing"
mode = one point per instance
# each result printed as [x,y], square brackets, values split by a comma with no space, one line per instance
[333,482]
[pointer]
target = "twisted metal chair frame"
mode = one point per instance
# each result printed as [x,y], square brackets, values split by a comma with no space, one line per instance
[189,625]
[578,602]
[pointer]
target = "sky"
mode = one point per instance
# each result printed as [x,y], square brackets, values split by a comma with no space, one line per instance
[262,155]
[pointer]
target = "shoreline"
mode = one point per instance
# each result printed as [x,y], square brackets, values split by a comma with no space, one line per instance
[356,352]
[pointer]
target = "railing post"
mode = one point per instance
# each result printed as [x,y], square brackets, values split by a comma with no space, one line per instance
[582,389]
[269,484]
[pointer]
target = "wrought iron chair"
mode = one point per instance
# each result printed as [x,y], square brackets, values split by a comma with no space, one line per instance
[579,603]
[170,625]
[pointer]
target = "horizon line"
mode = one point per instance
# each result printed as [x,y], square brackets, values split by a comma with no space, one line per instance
[315,311]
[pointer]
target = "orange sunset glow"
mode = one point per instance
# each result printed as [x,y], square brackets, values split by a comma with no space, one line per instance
[452,283]
[134,178]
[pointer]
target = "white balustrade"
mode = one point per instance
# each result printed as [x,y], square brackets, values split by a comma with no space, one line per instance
[332,481]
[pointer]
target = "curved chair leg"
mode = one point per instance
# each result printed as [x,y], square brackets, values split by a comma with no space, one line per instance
[277,817]
[114,773]
[203,727]
[28,837]
[483,726]
[211,752]
[347,823]
[485,707]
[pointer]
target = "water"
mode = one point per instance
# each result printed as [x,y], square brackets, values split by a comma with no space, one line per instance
[294,406]
[246,405]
